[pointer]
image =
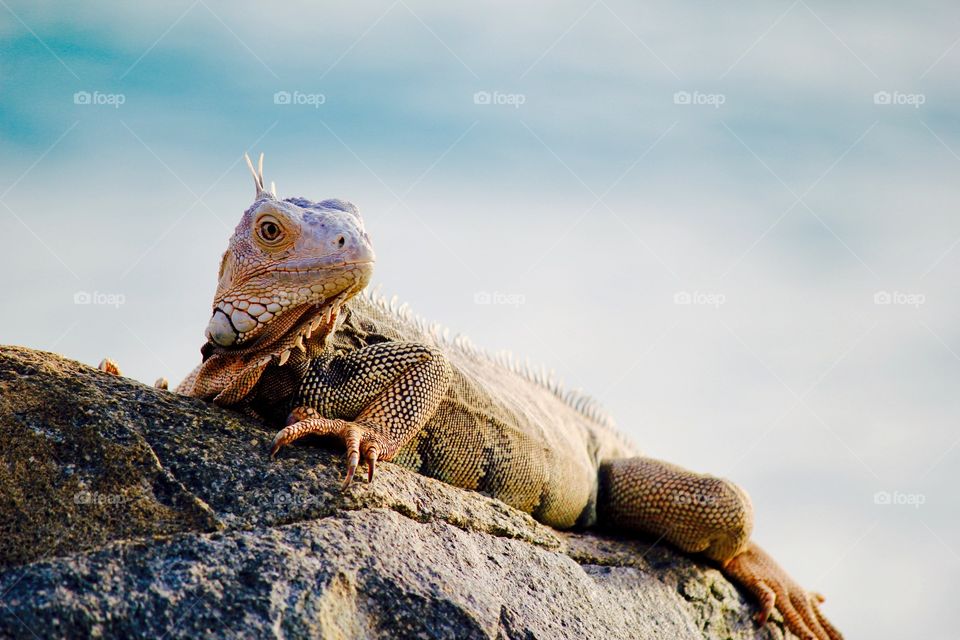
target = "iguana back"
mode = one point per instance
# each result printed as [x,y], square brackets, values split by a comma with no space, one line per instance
[500,428]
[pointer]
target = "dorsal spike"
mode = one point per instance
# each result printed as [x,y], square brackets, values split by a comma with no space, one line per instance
[541,375]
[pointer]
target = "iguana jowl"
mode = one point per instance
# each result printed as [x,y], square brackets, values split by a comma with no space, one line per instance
[290,340]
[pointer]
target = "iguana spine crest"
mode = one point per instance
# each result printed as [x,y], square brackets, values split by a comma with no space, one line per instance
[582,402]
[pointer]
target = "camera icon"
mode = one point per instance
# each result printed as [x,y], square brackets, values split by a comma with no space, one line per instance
[281,97]
[482,297]
[682,97]
[82,297]
[882,297]
[482,97]
[882,497]
[882,97]
[81,97]
[82,497]
[682,297]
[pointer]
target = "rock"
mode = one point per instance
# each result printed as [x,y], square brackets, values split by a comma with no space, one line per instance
[127,511]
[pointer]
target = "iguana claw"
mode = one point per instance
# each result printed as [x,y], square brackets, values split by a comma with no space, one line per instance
[371,463]
[353,458]
[361,441]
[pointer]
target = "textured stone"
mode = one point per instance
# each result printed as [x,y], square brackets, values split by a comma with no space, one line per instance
[131,512]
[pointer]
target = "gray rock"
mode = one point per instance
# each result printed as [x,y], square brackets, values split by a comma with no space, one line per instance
[131,512]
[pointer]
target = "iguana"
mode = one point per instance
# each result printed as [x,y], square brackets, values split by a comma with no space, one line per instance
[290,340]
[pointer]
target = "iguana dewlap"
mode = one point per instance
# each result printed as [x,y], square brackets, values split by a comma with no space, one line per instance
[291,341]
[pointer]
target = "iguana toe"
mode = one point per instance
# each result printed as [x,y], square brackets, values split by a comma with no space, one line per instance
[109,366]
[755,570]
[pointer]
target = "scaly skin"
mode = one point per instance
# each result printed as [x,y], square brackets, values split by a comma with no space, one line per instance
[289,341]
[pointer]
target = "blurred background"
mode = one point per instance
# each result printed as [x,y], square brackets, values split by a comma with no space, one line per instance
[736,226]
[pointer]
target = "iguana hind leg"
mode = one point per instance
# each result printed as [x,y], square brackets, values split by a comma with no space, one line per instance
[712,516]
[374,399]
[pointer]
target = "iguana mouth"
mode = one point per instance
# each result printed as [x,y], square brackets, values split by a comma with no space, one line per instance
[316,265]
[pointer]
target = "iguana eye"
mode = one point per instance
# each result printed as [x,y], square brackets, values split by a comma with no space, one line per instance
[270,230]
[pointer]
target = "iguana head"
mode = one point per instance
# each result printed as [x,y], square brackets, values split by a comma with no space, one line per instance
[287,261]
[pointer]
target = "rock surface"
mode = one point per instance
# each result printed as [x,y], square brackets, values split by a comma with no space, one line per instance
[131,512]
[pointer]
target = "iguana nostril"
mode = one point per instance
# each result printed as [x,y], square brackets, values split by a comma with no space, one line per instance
[341,241]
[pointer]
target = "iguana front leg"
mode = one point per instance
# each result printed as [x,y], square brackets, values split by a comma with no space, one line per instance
[374,399]
[712,516]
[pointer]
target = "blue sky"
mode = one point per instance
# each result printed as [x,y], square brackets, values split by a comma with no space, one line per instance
[781,199]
